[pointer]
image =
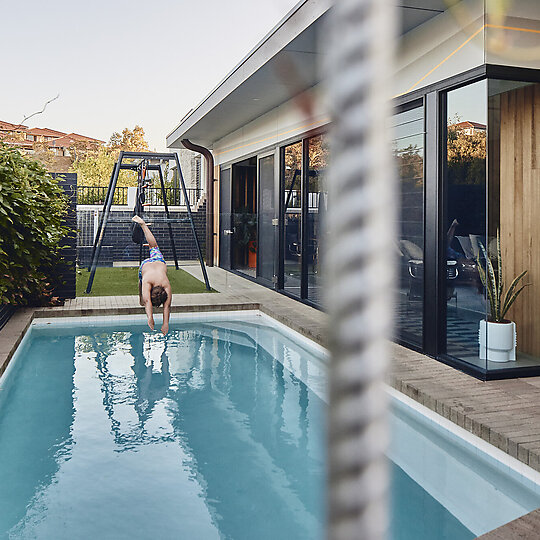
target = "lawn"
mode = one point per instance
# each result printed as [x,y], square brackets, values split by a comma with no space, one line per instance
[124,281]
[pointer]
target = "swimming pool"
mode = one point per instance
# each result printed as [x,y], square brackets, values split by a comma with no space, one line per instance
[108,430]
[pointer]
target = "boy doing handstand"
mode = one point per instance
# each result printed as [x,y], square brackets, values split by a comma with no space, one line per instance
[154,286]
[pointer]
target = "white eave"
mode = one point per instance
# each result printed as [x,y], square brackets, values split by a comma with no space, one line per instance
[286,62]
[259,82]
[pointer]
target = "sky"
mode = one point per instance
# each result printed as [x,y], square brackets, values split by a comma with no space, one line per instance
[121,63]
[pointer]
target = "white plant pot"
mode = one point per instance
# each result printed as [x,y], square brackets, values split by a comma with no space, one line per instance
[497,341]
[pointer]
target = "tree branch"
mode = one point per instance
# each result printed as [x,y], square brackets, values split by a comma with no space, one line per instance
[38,112]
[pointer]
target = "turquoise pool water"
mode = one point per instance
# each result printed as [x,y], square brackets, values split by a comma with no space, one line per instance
[108,430]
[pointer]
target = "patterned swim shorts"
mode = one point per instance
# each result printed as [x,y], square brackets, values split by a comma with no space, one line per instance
[155,255]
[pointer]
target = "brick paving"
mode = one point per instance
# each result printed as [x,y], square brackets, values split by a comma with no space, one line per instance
[504,413]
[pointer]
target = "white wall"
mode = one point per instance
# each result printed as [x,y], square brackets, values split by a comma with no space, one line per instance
[288,121]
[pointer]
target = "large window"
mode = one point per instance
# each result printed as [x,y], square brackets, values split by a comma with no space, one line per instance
[465,219]
[408,129]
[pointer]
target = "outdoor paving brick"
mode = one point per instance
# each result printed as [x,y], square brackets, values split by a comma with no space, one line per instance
[526,527]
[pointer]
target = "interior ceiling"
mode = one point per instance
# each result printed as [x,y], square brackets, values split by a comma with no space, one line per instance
[295,68]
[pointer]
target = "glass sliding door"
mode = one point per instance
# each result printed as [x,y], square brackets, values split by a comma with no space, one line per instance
[408,134]
[266,244]
[225,219]
[292,219]
[466,223]
[316,207]
[244,208]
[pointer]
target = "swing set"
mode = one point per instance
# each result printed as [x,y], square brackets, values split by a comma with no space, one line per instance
[142,163]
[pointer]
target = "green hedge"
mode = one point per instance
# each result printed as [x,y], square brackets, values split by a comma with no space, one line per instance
[32,212]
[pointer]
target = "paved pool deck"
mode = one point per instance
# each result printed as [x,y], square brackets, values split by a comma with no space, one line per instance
[504,413]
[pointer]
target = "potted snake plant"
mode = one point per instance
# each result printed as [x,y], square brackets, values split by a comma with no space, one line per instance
[497,335]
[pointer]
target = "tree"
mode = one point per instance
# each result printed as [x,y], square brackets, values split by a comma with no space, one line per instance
[94,168]
[130,140]
[32,212]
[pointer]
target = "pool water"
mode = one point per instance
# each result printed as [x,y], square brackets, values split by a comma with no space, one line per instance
[108,430]
[116,433]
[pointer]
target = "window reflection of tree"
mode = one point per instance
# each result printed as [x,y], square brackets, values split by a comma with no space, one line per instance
[466,155]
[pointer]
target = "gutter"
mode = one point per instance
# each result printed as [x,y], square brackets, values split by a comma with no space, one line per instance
[209,197]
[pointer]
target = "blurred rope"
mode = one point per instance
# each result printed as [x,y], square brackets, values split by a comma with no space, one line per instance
[360,267]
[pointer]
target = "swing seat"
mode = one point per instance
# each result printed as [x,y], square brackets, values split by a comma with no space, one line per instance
[137,234]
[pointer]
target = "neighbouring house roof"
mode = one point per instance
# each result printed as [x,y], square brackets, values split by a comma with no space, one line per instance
[12,127]
[60,139]
[47,132]
[468,124]
[68,140]
[78,137]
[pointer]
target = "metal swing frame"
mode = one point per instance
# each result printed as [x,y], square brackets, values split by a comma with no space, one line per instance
[120,165]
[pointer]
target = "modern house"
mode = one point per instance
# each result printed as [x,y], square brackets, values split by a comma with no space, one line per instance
[467,147]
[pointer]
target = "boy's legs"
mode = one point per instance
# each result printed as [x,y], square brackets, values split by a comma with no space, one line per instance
[147,233]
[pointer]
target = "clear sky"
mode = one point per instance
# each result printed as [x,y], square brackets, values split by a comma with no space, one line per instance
[118,63]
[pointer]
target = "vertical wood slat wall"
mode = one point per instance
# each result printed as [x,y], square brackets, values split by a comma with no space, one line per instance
[519,207]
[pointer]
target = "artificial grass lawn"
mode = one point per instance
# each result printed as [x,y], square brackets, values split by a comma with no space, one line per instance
[125,281]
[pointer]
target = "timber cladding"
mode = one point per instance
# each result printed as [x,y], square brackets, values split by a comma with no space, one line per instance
[519,207]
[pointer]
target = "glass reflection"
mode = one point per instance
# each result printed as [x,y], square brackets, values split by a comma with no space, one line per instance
[292,204]
[318,153]
[266,245]
[408,128]
[466,213]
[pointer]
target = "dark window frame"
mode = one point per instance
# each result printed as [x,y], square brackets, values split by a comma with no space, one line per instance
[435,212]
[304,183]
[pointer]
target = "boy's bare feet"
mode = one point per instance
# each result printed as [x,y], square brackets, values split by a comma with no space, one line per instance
[138,220]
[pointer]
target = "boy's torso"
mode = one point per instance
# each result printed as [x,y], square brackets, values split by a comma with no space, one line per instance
[155,273]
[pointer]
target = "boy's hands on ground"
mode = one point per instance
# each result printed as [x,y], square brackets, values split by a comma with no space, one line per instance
[151,322]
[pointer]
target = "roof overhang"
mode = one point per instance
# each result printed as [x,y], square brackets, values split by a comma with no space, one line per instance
[285,63]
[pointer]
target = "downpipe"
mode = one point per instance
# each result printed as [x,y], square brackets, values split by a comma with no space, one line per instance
[209,158]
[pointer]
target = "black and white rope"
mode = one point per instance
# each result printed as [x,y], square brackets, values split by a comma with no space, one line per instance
[359,265]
